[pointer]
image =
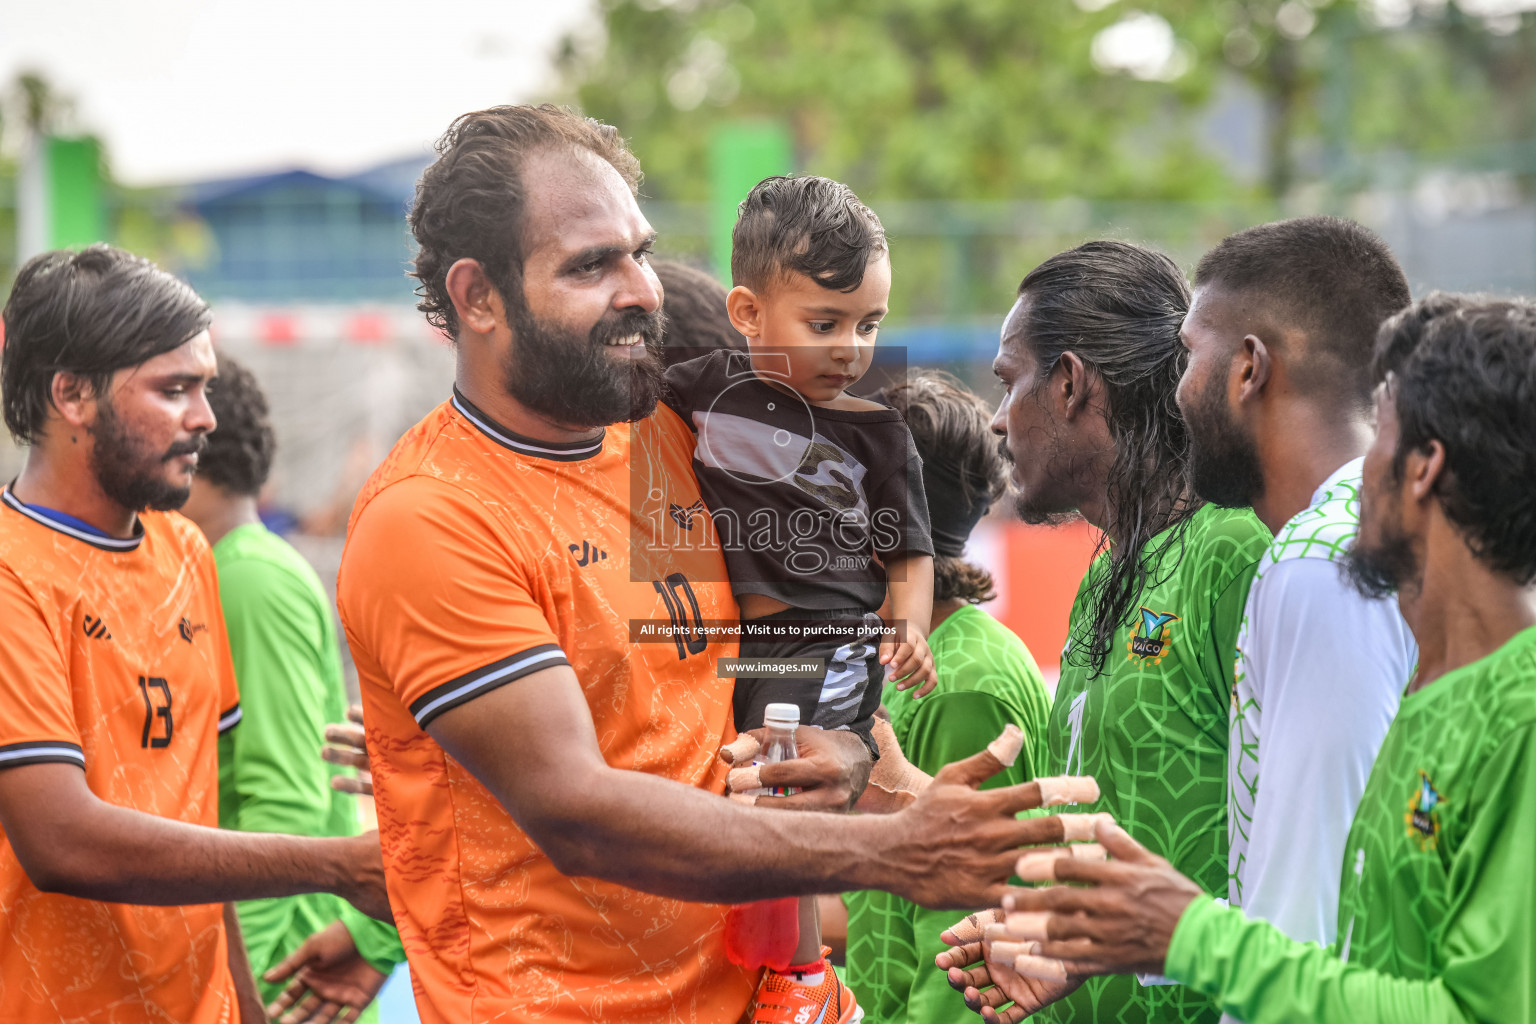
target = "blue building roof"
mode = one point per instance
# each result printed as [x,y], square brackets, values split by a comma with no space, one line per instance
[298,236]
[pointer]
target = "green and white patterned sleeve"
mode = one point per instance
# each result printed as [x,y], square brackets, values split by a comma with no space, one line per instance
[1488,943]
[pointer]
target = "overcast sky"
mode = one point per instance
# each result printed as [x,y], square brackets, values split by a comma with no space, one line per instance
[188,89]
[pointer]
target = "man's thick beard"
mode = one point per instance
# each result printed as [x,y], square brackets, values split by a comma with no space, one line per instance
[1386,568]
[573,380]
[125,467]
[1223,460]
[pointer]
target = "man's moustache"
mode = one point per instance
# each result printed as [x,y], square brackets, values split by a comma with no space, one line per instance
[180,448]
[649,326]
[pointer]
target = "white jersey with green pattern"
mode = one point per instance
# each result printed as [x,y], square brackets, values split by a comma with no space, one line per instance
[1319,672]
[1437,914]
[1152,727]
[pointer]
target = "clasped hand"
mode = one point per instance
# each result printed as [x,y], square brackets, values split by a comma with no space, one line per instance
[1117,915]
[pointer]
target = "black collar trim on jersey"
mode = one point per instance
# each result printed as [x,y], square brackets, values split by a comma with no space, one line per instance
[570,451]
[104,543]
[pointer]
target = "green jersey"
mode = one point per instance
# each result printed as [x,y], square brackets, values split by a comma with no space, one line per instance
[1437,912]
[987,679]
[1152,727]
[271,779]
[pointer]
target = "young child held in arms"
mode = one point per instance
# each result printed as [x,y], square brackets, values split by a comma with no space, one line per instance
[816,494]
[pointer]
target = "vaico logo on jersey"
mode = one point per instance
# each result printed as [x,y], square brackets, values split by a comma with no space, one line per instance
[1151,636]
[1423,817]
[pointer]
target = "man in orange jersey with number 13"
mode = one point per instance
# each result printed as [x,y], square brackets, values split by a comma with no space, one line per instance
[548,791]
[115,676]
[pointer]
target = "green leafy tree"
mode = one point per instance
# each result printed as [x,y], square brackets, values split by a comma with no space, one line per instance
[977,99]
[903,99]
[1346,83]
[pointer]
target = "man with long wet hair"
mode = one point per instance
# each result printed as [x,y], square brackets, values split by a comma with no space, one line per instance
[1090,358]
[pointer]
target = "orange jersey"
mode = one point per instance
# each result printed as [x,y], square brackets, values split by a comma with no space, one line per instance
[112,658]
[476,557]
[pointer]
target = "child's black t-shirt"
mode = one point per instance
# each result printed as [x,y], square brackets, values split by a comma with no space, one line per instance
[809,503]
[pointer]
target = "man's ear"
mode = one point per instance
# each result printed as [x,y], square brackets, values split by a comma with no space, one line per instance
[476,301]
[1252,367]
[1422,470]
[75,398]
[1071,385]
[745,310]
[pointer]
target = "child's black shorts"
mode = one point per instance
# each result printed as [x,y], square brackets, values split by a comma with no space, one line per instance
[846,695]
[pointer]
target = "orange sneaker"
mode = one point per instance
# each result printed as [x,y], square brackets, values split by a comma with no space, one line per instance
[783,1000]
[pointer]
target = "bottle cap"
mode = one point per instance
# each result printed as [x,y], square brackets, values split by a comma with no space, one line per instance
[781,714]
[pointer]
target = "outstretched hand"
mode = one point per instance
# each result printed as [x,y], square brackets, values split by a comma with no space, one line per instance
[330,982]
[956,846]
[348,747]
[1118,916]
[988,985]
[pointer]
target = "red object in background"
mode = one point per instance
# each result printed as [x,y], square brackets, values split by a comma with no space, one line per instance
[369,328]
[1038,569]
[278,329]
[763,934]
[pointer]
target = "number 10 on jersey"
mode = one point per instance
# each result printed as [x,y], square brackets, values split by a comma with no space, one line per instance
[678,595]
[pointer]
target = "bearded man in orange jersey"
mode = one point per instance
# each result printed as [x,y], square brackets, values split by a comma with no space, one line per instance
[548,791]
[115,675]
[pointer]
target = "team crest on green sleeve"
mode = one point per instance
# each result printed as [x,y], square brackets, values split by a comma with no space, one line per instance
[1151,637]
[1423,817]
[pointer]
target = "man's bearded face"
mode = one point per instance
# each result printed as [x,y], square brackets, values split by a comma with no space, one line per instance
[1381,561]
[130,470]
[1224,459]
[581,380]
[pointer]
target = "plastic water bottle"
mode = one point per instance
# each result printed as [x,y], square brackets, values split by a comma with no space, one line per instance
[781,721]
[766,933]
